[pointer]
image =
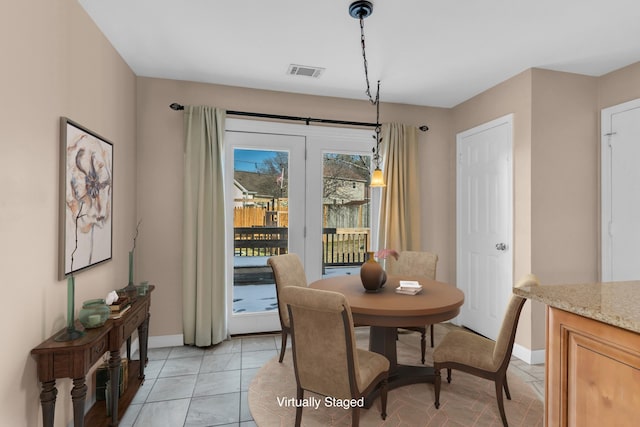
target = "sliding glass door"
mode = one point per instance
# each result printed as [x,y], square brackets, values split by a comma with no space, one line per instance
[265,217]
[291,189]
[343,206]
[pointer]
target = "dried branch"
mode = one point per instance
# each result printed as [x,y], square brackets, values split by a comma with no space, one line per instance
[136,236]
[78,216]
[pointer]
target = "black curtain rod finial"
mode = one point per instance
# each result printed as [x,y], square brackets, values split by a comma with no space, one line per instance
[177,107]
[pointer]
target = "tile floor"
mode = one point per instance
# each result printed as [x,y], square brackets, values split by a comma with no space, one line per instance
[194,387]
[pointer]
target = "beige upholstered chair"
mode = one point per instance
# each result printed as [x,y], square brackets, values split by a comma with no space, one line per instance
[287,271]
[480,356]
[415,263]
[325,358]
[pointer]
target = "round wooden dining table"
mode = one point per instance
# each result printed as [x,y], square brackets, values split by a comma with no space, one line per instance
[386,310]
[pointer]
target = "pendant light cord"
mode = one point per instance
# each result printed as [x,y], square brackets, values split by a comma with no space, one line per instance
[376,101]
[366,66]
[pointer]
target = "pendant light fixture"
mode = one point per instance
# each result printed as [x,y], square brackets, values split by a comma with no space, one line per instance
[360,10]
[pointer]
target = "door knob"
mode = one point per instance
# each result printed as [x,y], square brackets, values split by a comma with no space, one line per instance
[501,246]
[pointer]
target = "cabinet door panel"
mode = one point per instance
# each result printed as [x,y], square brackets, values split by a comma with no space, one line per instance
[594,393]
[592,372]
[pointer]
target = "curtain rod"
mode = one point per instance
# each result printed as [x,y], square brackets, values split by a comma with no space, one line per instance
[177,107]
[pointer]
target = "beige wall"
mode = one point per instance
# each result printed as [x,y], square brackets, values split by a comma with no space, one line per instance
[160,172]
[619,86]
[54,63]
[564,177]
[564,189]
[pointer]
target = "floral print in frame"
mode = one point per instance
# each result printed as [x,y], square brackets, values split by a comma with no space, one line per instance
[86,192]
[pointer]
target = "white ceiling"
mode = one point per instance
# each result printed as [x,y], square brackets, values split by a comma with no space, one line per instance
[425,52]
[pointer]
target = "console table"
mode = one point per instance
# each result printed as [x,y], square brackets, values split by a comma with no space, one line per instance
[73,359]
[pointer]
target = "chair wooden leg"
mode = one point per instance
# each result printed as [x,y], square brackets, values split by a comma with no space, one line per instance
[300,394]
[284,346]
[355,417]
[383,399]
[431,327]
[503,416]
[436,387]
[448,375]
[423,342]
[506,388]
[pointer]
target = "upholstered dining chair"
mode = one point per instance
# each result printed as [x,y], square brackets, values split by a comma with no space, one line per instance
[415,263]
[325,358]
[480,356]
[287,271]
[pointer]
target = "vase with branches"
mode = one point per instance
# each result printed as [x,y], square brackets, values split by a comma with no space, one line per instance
[71,333]
[130,290]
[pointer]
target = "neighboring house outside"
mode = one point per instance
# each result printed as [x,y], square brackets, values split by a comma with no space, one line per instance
[241,196]
[345,195]
[257,189]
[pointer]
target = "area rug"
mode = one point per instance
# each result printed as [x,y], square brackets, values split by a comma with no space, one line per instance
[466,401]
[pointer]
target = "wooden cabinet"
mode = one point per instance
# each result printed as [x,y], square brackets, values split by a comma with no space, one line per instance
[593,372]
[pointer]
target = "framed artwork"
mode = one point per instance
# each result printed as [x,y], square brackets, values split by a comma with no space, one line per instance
[86,198]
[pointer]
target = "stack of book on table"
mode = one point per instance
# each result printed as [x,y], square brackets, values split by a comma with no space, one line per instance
[119,307]
[102,377]
[408,287]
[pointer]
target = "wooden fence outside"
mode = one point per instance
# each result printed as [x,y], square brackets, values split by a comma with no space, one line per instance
[259,231]
[256,216]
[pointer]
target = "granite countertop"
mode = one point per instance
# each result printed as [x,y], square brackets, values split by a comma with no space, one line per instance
[614,303]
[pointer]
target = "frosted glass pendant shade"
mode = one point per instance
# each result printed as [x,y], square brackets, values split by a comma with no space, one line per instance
[377,180]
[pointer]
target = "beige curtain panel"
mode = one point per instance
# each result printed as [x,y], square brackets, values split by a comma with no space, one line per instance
[400,204]
[203,272]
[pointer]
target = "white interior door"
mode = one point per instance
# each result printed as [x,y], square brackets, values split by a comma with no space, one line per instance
[484,224]
[621,192]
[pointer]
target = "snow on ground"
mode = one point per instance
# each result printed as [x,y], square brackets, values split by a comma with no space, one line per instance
[252,298]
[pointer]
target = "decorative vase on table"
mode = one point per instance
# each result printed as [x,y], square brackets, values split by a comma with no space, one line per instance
[372,274]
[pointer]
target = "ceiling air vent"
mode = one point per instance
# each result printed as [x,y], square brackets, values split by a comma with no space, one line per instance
[303,70]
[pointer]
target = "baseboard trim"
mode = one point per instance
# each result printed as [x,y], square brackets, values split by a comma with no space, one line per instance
[166,341]
[532,357]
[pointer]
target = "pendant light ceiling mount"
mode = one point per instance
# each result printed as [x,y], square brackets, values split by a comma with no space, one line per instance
[360,9]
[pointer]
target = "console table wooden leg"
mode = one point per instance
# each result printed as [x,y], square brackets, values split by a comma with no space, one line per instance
[143,337]
[48,402]
[78,395]
[114,378]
